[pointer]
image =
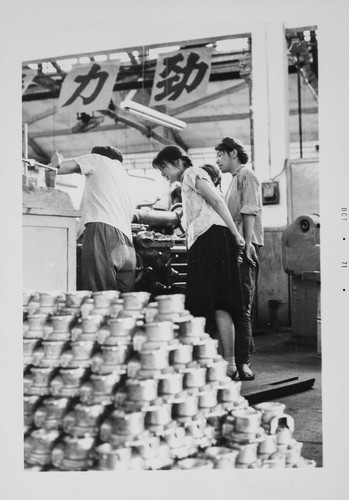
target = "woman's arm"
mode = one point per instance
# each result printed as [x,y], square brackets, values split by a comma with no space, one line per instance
[212,197]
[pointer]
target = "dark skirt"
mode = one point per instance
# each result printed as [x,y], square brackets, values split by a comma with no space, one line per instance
[213,279]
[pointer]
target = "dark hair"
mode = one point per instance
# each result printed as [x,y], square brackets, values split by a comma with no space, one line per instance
[228,144]
[214,173]
[171,154]
[109,152]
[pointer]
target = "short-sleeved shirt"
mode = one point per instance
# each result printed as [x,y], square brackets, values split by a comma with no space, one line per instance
[199,215]
[243,196]
[107,194]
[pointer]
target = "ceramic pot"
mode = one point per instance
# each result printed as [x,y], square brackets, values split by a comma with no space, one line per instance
[222,457]
[174,437]
[48,299]
[142,390]
[116,306]
[247,454]
[27,296]
[37,321]
[207,399]
[78,448]
[39,444]
[170,383]
[121,423]
[230,392]
[194,378]
[105,298]
[91,323]
[185,407]
[122,326]
[205,349]
[104,384]
[76,299]
[115,354]
[135,301]
[171,303]
[52,409]
[247,420]
[194,463]
[29,345]
[293,454]
[82,349]
[148,448]
[194,326]
[158,415]
[283,437]
[62,323]
[41,376]
[160,330]
[53,348]
[268,446]
[30,404]
[155,359]
[180,354]
[270,410]
[217,371]
[85,416]
[110,458]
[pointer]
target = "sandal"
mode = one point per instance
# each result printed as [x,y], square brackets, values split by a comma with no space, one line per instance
[234,375]
[245,372]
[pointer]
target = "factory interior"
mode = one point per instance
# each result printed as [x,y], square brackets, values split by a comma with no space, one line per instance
[130,382]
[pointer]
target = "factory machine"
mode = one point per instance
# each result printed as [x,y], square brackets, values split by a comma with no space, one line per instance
[301,260]
[159,240]
[160,249]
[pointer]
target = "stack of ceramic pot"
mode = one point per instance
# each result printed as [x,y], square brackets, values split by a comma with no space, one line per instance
[120,383]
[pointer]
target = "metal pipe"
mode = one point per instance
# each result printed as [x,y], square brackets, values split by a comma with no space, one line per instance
[299,108]
[25,148]
[34,163]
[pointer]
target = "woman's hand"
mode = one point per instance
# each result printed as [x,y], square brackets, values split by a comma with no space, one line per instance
[240,242]
[251,254]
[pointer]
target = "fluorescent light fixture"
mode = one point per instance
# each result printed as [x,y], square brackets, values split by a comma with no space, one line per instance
[152,115]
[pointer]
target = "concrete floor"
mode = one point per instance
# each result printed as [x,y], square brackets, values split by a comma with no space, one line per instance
[279,356]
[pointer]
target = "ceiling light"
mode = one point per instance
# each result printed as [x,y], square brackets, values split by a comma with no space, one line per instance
[152,115]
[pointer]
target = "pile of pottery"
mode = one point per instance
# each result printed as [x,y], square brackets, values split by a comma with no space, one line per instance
[116,382]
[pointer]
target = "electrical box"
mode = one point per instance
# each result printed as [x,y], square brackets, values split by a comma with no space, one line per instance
[270,193]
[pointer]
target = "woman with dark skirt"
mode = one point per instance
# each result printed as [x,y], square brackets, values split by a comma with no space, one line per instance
[214,245]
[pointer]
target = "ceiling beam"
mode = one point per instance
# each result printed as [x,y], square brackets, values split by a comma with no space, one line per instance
[41,116]
[148,130]
[128,85]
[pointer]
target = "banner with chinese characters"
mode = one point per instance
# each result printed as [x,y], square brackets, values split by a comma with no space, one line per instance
[28,76]
[88,87]
[181,77]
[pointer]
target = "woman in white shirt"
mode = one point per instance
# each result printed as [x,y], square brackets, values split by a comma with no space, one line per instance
[214,244]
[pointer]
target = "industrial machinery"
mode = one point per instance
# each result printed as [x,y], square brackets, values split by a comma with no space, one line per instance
[160,250]
[160,246]
[301,260]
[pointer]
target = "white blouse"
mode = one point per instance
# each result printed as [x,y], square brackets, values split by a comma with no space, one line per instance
[199,215]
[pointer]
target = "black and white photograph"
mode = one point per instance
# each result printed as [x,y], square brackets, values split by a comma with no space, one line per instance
[175,270]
